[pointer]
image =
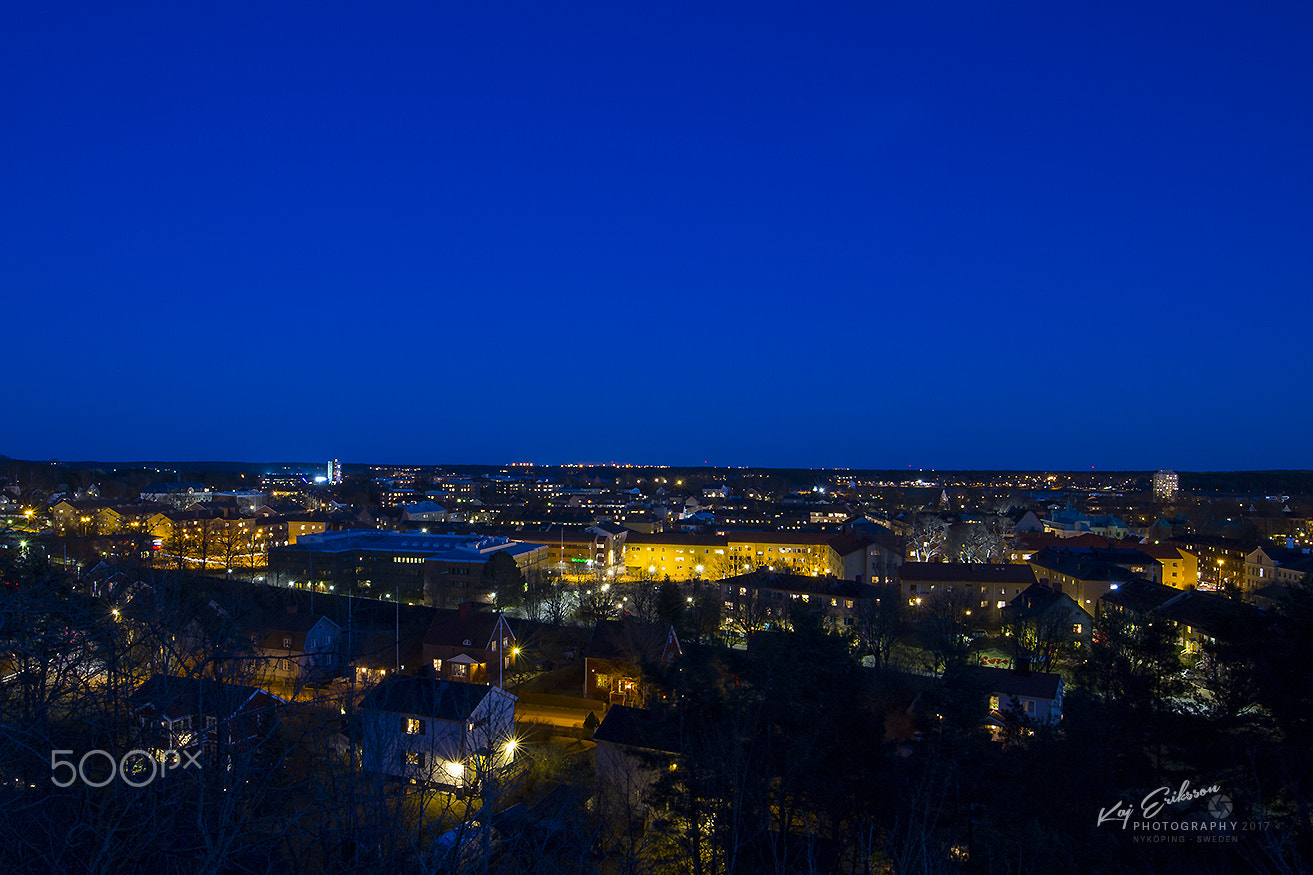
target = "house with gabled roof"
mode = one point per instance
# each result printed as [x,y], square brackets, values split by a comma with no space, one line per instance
[1051,614]
[445,733]
[186,714]
[468,645]
[634,747]
[1019,693]
[616,654]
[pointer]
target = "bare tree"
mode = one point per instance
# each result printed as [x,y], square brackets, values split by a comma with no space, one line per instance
[943,628]
[1045,638]
[929,537]
[879,623]
[982,542]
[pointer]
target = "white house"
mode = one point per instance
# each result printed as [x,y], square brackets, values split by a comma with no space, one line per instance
[422,729]
[1035,695]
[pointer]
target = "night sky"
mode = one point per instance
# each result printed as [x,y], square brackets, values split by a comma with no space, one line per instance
[954,235]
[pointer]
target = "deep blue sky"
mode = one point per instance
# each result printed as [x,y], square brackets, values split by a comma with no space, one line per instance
[1034,235]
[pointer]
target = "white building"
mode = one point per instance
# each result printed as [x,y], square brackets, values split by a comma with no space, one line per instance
[1165,485]
[454,734]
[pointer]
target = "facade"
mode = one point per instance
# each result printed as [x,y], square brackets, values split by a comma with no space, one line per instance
[1089,575]
[761,599]
[687,556]
[189,714]
[470,646]
[1047,611]
[634,748]
[578,551]
[456,577]
[990,585]
[867,553]
[616,653]
[1280,565]
[396,564]
[297,648]
[1036,696]
[1221,560]
[179,495]
[451,734]
[1165,485]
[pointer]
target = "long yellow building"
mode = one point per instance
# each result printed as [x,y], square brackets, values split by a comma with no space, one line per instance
[684,556]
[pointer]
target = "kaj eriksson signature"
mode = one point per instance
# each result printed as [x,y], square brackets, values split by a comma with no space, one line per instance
[1154,802]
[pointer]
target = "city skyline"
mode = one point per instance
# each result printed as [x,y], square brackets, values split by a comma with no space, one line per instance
[890,237]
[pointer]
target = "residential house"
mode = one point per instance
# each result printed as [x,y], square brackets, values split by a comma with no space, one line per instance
[867,552]
[424,729]
[1019,692]
[616,655]
[1050,615]
[634,748]
[468,645]
[189,714]
[296,648]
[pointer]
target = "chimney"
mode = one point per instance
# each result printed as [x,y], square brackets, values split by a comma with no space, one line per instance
[1056,586]
[1044,582]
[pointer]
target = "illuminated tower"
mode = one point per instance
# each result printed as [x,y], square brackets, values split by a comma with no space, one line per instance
[334,471]
[1165,485]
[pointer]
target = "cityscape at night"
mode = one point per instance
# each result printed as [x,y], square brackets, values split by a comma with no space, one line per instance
[342,666]
[637,439]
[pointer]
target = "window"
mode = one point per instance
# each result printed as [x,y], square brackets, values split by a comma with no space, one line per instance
[414,727]
[1028,705]
[1077,628]
[460,670]
[415,759]
[437,666]
[603,681]
[287,642]
[993,703]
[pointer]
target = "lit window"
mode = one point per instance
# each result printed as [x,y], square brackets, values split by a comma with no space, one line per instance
[414,727]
